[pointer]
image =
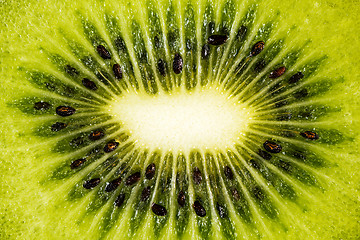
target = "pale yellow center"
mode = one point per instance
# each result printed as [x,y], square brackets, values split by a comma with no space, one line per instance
[182,121]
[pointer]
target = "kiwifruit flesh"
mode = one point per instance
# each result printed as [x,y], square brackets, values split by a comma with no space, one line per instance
[179,119]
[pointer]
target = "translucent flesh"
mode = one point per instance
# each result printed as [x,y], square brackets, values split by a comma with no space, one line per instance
[31,209]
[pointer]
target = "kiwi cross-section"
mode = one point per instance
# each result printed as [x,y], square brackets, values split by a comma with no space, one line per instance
[180,120]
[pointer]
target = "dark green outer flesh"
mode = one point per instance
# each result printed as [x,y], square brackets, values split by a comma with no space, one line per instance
[28,209]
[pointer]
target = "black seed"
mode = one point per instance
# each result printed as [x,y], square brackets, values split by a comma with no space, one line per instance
[89,84]
[310,135]
[277,72]
[158,209]
[145,194]
[119,200]
[134,178]
[260,65]
[205,51]
[281,103]
[199,209]
[222,210]
[285,165]
[258,193]
[77,163]
[181,198]
[161,67]
[257,48]
[91,183]
[264,155]
[96,135]
[76,142]
[150,171]
[228,173]
[111,146]
[58,126]
[296,77]
[284,117]
[71,71]
[177,64]
[197,175]
[301,94]
[254,164]
[103,52]
[111,186]
[241,33]
[272,147]
[65,111]
[42,105]
[235,194]
[117,71]
[217,39]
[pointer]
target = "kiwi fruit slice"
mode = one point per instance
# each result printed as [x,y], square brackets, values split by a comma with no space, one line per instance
[179,119]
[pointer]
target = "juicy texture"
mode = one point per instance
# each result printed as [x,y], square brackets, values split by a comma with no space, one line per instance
[30,217]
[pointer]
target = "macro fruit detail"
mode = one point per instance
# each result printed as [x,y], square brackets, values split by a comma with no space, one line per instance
[181,120]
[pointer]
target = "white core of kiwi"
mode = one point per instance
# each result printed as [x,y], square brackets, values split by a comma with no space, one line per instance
[206,118]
